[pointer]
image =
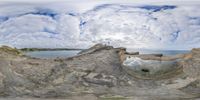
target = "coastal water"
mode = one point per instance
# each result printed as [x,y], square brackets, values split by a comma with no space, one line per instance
[70,53]
[53,54]
[164,52]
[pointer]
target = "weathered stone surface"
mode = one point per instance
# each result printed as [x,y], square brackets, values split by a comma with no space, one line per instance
[150,69]
[101,79]
[96,47]
[192,64]
[100,73]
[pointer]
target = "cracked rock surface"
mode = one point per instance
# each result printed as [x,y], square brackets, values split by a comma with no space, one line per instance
[100,73]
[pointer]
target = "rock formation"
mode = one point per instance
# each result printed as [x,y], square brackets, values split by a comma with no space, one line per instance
[101,72]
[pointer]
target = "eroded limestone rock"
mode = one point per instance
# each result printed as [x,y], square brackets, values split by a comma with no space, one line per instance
[99,73]
[150,69]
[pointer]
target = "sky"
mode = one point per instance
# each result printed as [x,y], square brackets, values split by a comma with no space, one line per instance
[145,24]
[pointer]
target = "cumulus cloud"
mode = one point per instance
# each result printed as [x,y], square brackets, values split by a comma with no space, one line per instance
[132,26]
[157,27]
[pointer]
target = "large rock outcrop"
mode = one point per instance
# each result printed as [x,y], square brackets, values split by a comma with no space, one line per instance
[101,72]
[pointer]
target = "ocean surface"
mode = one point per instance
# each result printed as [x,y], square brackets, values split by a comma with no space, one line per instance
[53,54]
[164,52]
[70,53]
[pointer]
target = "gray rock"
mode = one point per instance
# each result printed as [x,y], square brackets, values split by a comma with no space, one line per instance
[150,69]
[94,48]
[99,72]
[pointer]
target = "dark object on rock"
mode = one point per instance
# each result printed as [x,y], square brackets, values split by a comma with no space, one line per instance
[145,70]
[132,53]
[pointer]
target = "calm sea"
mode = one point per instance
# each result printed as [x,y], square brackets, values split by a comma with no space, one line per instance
[164,52]
[70,53]
[53,54]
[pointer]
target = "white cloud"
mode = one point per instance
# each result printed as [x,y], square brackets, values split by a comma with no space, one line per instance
[79,25]
[141,28]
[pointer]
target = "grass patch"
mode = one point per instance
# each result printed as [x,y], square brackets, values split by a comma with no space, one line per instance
[9,50]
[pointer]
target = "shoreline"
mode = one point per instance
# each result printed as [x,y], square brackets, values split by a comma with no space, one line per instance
[46,49]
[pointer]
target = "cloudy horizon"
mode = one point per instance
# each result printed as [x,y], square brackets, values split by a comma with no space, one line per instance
[132,24]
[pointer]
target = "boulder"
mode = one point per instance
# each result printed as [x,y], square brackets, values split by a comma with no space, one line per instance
[94,48]
[192,63]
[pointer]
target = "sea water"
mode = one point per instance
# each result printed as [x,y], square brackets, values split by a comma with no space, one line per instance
[52,54]
[70,53]
[164,52]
